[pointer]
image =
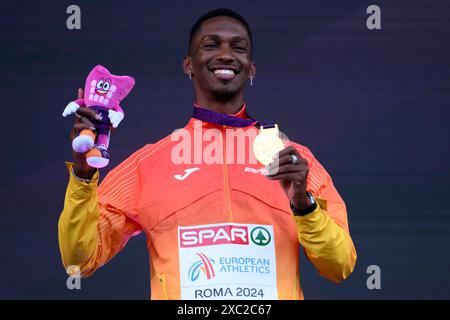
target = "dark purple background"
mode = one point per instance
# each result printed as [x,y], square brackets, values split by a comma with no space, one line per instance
[372,105]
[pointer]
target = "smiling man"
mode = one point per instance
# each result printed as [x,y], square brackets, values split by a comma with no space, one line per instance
[214,230]
[219,61]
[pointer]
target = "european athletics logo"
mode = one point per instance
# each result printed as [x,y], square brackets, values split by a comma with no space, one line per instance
[205,265]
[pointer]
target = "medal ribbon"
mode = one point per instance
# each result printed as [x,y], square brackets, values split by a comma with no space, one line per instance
[211,116]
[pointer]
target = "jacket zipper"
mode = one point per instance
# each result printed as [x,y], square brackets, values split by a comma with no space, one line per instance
[226,183]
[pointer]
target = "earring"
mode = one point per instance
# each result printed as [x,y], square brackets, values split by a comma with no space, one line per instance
[190,76]
[251,81]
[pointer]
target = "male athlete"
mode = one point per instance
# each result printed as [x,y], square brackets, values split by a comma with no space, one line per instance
[221,229]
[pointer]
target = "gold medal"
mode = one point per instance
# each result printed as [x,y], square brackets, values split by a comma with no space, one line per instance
[266,144]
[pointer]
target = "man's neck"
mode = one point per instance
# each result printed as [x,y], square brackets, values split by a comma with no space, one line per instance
[229,107]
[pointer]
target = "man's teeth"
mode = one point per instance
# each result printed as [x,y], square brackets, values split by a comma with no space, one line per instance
[223,72]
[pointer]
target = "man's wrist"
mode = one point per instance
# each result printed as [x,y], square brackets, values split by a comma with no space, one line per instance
[82,177]
[304,210]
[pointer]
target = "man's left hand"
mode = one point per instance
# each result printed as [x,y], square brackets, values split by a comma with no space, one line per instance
[292,172]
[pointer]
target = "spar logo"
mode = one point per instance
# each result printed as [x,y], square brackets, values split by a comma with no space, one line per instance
[205,265]
[212,235]
[260,236]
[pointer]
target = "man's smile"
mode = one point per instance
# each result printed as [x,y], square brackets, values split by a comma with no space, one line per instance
[224,72]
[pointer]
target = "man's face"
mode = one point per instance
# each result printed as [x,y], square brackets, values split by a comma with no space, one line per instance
[220,59]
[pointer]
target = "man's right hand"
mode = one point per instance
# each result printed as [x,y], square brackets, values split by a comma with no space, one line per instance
[83,120]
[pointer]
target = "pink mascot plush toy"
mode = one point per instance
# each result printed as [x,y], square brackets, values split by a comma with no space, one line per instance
[103,92]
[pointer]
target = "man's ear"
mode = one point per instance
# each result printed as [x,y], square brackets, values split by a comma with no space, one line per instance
[187,65]
[252,73]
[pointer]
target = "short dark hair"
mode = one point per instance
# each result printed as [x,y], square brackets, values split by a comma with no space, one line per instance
[220,12]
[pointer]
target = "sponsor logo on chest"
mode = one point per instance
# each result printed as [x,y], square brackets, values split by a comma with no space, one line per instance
[230,260]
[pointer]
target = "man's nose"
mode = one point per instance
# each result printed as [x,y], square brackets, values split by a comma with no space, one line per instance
[225,53]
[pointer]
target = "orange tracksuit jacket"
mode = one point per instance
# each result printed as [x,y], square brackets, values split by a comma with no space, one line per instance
[213,222]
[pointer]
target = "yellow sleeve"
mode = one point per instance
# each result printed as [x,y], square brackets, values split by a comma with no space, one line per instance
[324,233]
[91,232]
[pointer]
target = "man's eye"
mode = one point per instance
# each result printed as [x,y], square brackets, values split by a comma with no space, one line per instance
[240,49]
[210,45]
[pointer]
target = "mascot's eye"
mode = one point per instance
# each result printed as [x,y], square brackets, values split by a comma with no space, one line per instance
[100,84]
[106,86]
